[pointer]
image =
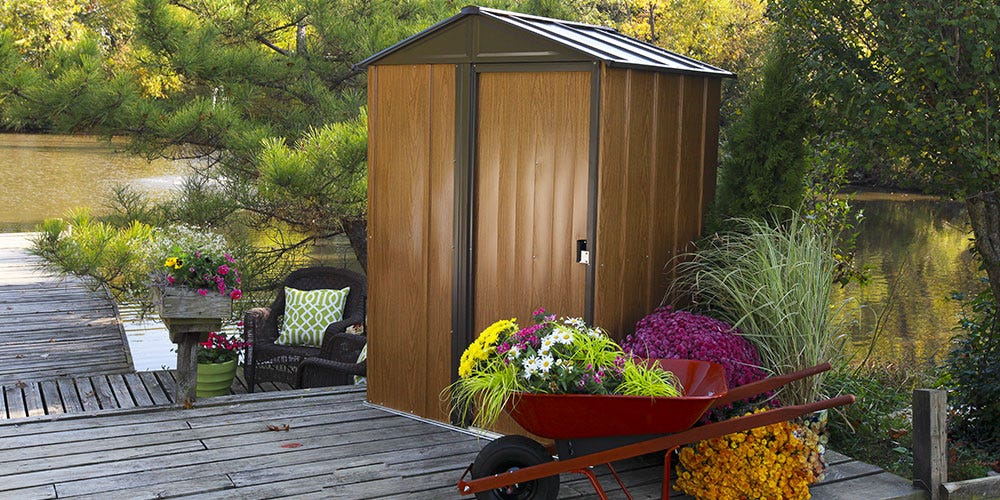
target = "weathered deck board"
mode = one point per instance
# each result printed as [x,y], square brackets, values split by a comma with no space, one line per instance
[52,327]
[99,392]
[336,446]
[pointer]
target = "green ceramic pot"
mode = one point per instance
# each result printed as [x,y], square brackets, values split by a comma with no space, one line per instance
[214,379]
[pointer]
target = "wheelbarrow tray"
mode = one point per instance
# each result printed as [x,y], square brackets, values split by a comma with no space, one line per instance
[576,416]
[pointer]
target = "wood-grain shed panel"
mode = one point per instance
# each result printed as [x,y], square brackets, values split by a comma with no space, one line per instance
[658,145]
[411,151]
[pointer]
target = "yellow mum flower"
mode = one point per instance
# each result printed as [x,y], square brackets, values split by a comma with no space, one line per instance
[484,345]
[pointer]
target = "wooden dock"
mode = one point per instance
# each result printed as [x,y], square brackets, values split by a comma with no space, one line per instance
[313,443]
[52,327]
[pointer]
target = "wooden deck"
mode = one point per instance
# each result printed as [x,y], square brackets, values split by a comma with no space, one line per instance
[314,443]
[51,327]
[87,394]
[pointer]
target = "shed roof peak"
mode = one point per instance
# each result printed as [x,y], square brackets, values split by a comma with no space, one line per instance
[484,35]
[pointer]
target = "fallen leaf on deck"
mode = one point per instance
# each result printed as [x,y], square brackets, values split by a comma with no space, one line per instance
[291,445]
[282,427]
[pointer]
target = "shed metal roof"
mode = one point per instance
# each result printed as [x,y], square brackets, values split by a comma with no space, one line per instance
[549,40]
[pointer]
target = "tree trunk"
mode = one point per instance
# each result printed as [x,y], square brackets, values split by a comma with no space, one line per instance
[356,230]
[984,214]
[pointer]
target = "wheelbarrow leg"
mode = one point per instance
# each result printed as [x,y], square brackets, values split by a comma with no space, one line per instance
[593,482]
[665,495]
[620,483]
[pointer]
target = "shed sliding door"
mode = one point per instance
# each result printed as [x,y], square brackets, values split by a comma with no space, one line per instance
[531,194]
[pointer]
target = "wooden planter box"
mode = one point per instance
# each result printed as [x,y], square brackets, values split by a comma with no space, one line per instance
[183,311]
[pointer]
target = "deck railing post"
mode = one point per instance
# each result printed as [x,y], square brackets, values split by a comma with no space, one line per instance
[930,440]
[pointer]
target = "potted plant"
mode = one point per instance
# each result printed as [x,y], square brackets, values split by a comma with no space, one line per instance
[553,356]
[194,280]
[217,360]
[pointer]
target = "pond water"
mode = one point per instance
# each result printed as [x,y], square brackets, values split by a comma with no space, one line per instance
[915,247]
[44,176]
[916,251]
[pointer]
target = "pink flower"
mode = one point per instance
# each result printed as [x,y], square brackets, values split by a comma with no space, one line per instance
[202,292]
[235,295]
[230,259]
[223,270]
[171,280]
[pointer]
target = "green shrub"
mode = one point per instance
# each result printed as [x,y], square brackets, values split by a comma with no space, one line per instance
[972,374]
[876,429]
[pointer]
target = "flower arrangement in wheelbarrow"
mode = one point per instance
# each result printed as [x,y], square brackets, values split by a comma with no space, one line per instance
[553,356]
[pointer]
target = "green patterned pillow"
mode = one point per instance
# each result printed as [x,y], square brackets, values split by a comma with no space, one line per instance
[308,313]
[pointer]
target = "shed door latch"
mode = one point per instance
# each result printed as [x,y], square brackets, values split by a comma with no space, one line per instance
[582,254]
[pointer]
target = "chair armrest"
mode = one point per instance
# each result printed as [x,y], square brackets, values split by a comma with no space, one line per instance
[357,369]
[337,366]
[256,323]
[342,346]
[340,327]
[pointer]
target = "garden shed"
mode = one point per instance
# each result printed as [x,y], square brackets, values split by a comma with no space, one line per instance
[518,162]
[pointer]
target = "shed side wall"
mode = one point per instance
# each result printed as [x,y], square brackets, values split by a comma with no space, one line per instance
[411,152]
[658,147]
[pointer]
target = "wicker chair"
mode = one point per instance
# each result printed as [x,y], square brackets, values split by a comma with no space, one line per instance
[340,368]
[267,361]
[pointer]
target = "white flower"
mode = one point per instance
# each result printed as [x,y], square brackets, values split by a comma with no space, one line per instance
[563,336]
[529,366]
[547,343]
[575,323]
[544,364]
[513,353]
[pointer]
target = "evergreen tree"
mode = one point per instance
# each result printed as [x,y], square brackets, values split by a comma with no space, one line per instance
[766,161]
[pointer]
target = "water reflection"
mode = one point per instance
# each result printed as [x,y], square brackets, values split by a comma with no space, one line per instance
[917,251]
[44,175]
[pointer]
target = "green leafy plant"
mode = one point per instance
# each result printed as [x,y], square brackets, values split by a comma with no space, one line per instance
[876,428]
[563,356]
[773,282]
[972,373]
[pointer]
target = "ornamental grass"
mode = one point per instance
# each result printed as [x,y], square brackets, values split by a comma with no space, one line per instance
[772,282]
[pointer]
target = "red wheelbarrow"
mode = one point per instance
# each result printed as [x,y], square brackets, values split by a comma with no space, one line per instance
[590,430]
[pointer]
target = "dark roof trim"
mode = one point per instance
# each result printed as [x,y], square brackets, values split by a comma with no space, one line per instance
[597,43]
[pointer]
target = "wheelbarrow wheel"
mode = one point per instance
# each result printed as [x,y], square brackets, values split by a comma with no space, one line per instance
[509,453]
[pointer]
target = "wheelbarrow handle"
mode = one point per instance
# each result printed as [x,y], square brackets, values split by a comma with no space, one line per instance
[768,384]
